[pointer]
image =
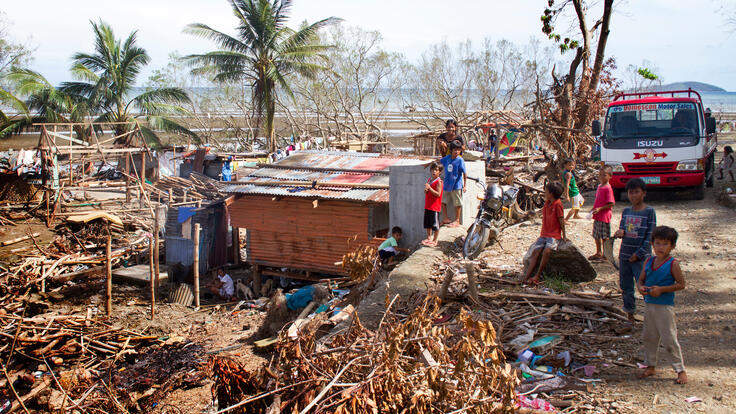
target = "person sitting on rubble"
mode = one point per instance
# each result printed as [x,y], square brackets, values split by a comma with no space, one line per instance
[553,230]
[388,249]
[223,286]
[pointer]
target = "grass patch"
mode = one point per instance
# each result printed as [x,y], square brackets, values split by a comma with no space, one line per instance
[556,283]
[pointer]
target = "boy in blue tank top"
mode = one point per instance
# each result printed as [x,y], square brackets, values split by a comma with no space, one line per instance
[659,280]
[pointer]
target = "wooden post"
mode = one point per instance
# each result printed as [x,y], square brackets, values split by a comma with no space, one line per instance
[171,197]
[195,264]
[71,166]
[185,196]
[151,270]
[256,280]
[472,281]
[143,177]
[127,177]
[449,273]
[108,263]
[236,245]
[156,246]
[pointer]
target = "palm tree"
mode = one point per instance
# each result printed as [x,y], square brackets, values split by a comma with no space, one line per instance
[106,80]
[9,124]
[264,53]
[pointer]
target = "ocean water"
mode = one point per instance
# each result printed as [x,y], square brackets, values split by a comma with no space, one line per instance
[720,101]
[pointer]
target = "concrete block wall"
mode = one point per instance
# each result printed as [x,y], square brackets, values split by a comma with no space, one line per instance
[406,199]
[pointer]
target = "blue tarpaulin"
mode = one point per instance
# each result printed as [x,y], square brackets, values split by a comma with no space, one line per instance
[185,213]
[300,298]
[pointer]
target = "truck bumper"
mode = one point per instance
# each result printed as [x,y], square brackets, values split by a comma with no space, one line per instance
[660,180]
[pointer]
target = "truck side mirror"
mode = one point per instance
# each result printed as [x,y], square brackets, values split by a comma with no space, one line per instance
[710,125]
[596,128]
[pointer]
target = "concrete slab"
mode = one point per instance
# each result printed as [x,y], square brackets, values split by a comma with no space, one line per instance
[411,275]
[138,275]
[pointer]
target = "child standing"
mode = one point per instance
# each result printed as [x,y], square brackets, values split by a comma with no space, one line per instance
[553,230]
[432,204]
[572,192]
[390,247]
[660,279]
[454,186]
[727,163]
[602,213]
[637,223]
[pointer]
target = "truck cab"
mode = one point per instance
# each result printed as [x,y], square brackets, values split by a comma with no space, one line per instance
[664,138]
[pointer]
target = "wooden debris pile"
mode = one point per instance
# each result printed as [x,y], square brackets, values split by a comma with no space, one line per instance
[53,360]
[408,364]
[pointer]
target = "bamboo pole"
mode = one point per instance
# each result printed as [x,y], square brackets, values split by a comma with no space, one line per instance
[71,166]
[151,282]
[108,265]
[127,177]
[195,264]
[143,178]
[156,254]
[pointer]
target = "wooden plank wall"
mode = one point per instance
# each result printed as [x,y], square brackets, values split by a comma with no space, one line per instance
[291,232]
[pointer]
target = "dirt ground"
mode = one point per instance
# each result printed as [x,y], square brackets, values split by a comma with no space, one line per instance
[706,309]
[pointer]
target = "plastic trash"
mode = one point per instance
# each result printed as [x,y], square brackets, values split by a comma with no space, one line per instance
[322,308]
[566,356]
[544,342]
[6,406]
[693,399]
[545,369]
[534,404]
[523,339]
[538,374]
[589,370]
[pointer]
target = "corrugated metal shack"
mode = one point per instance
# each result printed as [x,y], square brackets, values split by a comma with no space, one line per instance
[215,241]
[306,211]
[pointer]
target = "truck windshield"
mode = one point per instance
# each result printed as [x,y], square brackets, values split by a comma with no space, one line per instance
[672,124]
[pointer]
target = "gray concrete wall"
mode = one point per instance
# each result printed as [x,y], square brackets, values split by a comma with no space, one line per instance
[406,199]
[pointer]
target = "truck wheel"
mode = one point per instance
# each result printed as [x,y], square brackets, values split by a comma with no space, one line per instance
[710,170]
[699,191]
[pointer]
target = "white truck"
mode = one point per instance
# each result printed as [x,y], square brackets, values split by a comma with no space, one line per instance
[665,138]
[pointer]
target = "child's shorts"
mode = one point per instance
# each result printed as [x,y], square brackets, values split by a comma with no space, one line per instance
[453,198]
[577,202]
[601,230]
[386,254]
[431,219]
[545,243]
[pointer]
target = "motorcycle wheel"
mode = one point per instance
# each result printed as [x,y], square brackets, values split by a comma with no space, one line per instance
[475,241]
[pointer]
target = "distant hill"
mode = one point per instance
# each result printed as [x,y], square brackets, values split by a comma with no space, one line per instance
[698,86]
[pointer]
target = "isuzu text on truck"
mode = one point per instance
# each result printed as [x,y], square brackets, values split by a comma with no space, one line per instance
[664,138]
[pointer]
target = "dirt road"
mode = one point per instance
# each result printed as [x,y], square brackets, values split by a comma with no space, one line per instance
[706,309]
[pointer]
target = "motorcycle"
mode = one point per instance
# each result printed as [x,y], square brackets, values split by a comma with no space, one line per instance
[494,212]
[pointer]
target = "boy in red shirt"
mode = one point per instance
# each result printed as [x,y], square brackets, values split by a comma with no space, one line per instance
[432,204]
[604,202]
[553,230]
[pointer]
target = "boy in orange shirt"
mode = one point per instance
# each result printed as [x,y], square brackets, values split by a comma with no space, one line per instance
[553,230]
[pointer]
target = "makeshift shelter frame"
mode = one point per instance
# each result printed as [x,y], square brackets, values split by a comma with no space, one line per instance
[93,150]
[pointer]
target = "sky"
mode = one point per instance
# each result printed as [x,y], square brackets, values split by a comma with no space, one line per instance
[686,40]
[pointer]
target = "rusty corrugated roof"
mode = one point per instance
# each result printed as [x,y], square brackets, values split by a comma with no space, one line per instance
[344,168]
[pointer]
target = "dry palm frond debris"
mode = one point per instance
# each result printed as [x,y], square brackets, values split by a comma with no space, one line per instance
[407,365]
[360,263]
